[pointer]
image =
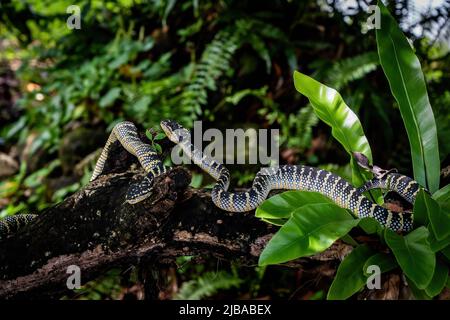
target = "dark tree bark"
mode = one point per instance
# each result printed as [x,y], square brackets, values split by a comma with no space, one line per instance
[96,230]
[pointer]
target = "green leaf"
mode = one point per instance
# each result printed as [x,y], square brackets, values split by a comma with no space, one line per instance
[440,221]
[413,254]
[345,125]
[157,147]
[418,293]
[282,205]
[370,225]
[403,71]
[446,252]
[439,279]
[277,222]
[437,245]
[442,196]
[109,98]
[159,136]
[350,277]
[311,229]
[420,210]
[386,262]
[349,240]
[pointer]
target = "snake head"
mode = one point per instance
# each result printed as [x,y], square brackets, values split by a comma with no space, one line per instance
[174,131]
[139,191]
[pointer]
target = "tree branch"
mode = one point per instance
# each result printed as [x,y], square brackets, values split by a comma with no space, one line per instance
[96,230]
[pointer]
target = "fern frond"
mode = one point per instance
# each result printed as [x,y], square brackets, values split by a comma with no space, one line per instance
[215,61]
[305,120]
[218,54]
[207,285]
[351,69]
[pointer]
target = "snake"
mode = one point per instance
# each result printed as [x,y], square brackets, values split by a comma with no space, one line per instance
[283,177]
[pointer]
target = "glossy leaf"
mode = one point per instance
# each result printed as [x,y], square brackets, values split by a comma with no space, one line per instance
[350,277]
[311,229]
[345,125]
[282,205]
[413,254]
[403,71]
[439,279]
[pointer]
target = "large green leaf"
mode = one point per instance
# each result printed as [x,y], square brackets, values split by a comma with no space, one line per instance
[282,205]
[350,277]
[413,254]
[403,71]
[345,125]
[311,229]
[439,279]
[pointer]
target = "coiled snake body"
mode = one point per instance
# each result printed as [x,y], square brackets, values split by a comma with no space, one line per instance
[290,177]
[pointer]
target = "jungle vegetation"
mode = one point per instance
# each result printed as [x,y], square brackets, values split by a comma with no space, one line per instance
[231,64]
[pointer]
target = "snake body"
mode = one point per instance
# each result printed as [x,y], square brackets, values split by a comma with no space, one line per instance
[127,134]
[288,177]
[297,177]
[11,224]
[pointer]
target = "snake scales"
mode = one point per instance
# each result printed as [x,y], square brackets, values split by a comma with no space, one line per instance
[290,177]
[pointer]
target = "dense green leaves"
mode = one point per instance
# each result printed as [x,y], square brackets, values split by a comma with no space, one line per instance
[345,125]
[402,68]
[311,229]
[350,276]
[414,255]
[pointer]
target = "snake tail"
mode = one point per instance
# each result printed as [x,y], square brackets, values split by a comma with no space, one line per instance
[11,224]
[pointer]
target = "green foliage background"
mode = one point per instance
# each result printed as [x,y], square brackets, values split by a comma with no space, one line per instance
[228,63]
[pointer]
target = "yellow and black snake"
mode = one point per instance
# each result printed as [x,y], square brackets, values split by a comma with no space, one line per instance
[288,177]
